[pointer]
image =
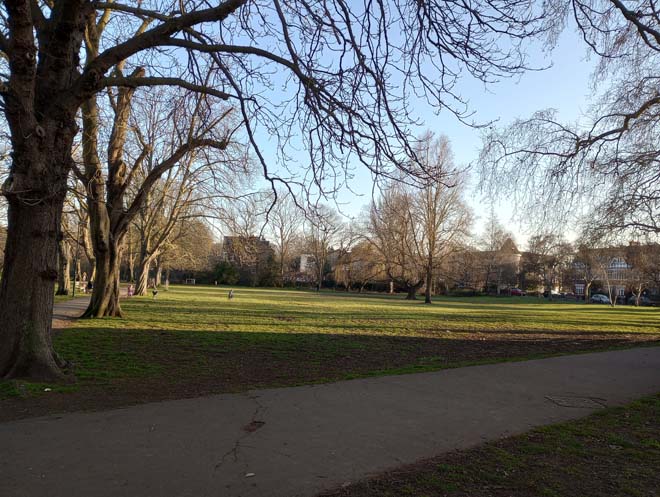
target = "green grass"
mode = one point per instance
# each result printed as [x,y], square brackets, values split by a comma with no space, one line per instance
[194,341]
[615,452]
[286,311]
[63,298]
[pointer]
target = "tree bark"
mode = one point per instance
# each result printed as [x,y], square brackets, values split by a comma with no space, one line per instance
[108,246]
[429,282]
[412,292]
[158,275]
[131,268]
[64,269]
[142,285]
[27,291]
[105,294]
[35,191]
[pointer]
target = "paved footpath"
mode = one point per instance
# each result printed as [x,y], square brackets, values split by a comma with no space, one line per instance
[67,311]
[297,441]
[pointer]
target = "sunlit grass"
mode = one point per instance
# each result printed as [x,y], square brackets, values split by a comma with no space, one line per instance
[194,340]
[289,311]
[196,328]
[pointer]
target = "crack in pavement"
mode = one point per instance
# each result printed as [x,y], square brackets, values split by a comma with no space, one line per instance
[253,425]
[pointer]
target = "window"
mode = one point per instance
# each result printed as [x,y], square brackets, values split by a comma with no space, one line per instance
[579,289]
[617,270]
[621,292]
[618,263]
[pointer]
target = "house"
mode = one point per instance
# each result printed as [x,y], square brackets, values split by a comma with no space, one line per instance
[619,271]
[496,270]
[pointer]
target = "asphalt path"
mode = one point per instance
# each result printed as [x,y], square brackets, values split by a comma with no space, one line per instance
[290,442]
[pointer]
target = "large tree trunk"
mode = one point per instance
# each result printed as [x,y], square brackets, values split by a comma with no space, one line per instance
[64,269]
[412,292]
[107,250]
[27,290]
[159,272]
[105,295]
[143,276]
[41,119]
[35,191]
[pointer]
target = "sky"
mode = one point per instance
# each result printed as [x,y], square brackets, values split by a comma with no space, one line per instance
[565,86]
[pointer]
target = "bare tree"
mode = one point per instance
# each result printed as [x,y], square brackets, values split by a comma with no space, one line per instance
[441,220]
[188,250]
[415,229]
[285,222]
[586,265]
[548,253]
[608,167]
[321,232]
[339,59]
[243,220]
[155,136]
[359,266]
[176,198]
[494,265]
[392,235]
[643,260]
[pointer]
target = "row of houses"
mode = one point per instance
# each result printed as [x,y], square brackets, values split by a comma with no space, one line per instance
[620,270]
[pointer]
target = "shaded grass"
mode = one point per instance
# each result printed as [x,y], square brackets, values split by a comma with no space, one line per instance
[615,452]
[194,341]
[63,298]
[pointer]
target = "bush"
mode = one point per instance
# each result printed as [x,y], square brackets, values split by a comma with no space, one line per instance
[226,273]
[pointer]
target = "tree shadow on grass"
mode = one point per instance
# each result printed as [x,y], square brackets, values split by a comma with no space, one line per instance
[124,367]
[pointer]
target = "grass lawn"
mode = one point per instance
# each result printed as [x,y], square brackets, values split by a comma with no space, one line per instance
[613,453]
[193,341]
[62,298]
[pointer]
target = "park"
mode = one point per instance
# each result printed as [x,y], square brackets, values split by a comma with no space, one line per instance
[329,248]
[192,342]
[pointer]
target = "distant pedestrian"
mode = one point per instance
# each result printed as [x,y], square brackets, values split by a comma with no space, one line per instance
[230,295]
[215,282]
[155,291]
[130,291]
[90,286]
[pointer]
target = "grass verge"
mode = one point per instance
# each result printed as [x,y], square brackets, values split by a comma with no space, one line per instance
[614,453]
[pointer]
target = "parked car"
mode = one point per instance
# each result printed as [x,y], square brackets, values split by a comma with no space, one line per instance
[643,300]
[551,293]
[517,292]
[599,298]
